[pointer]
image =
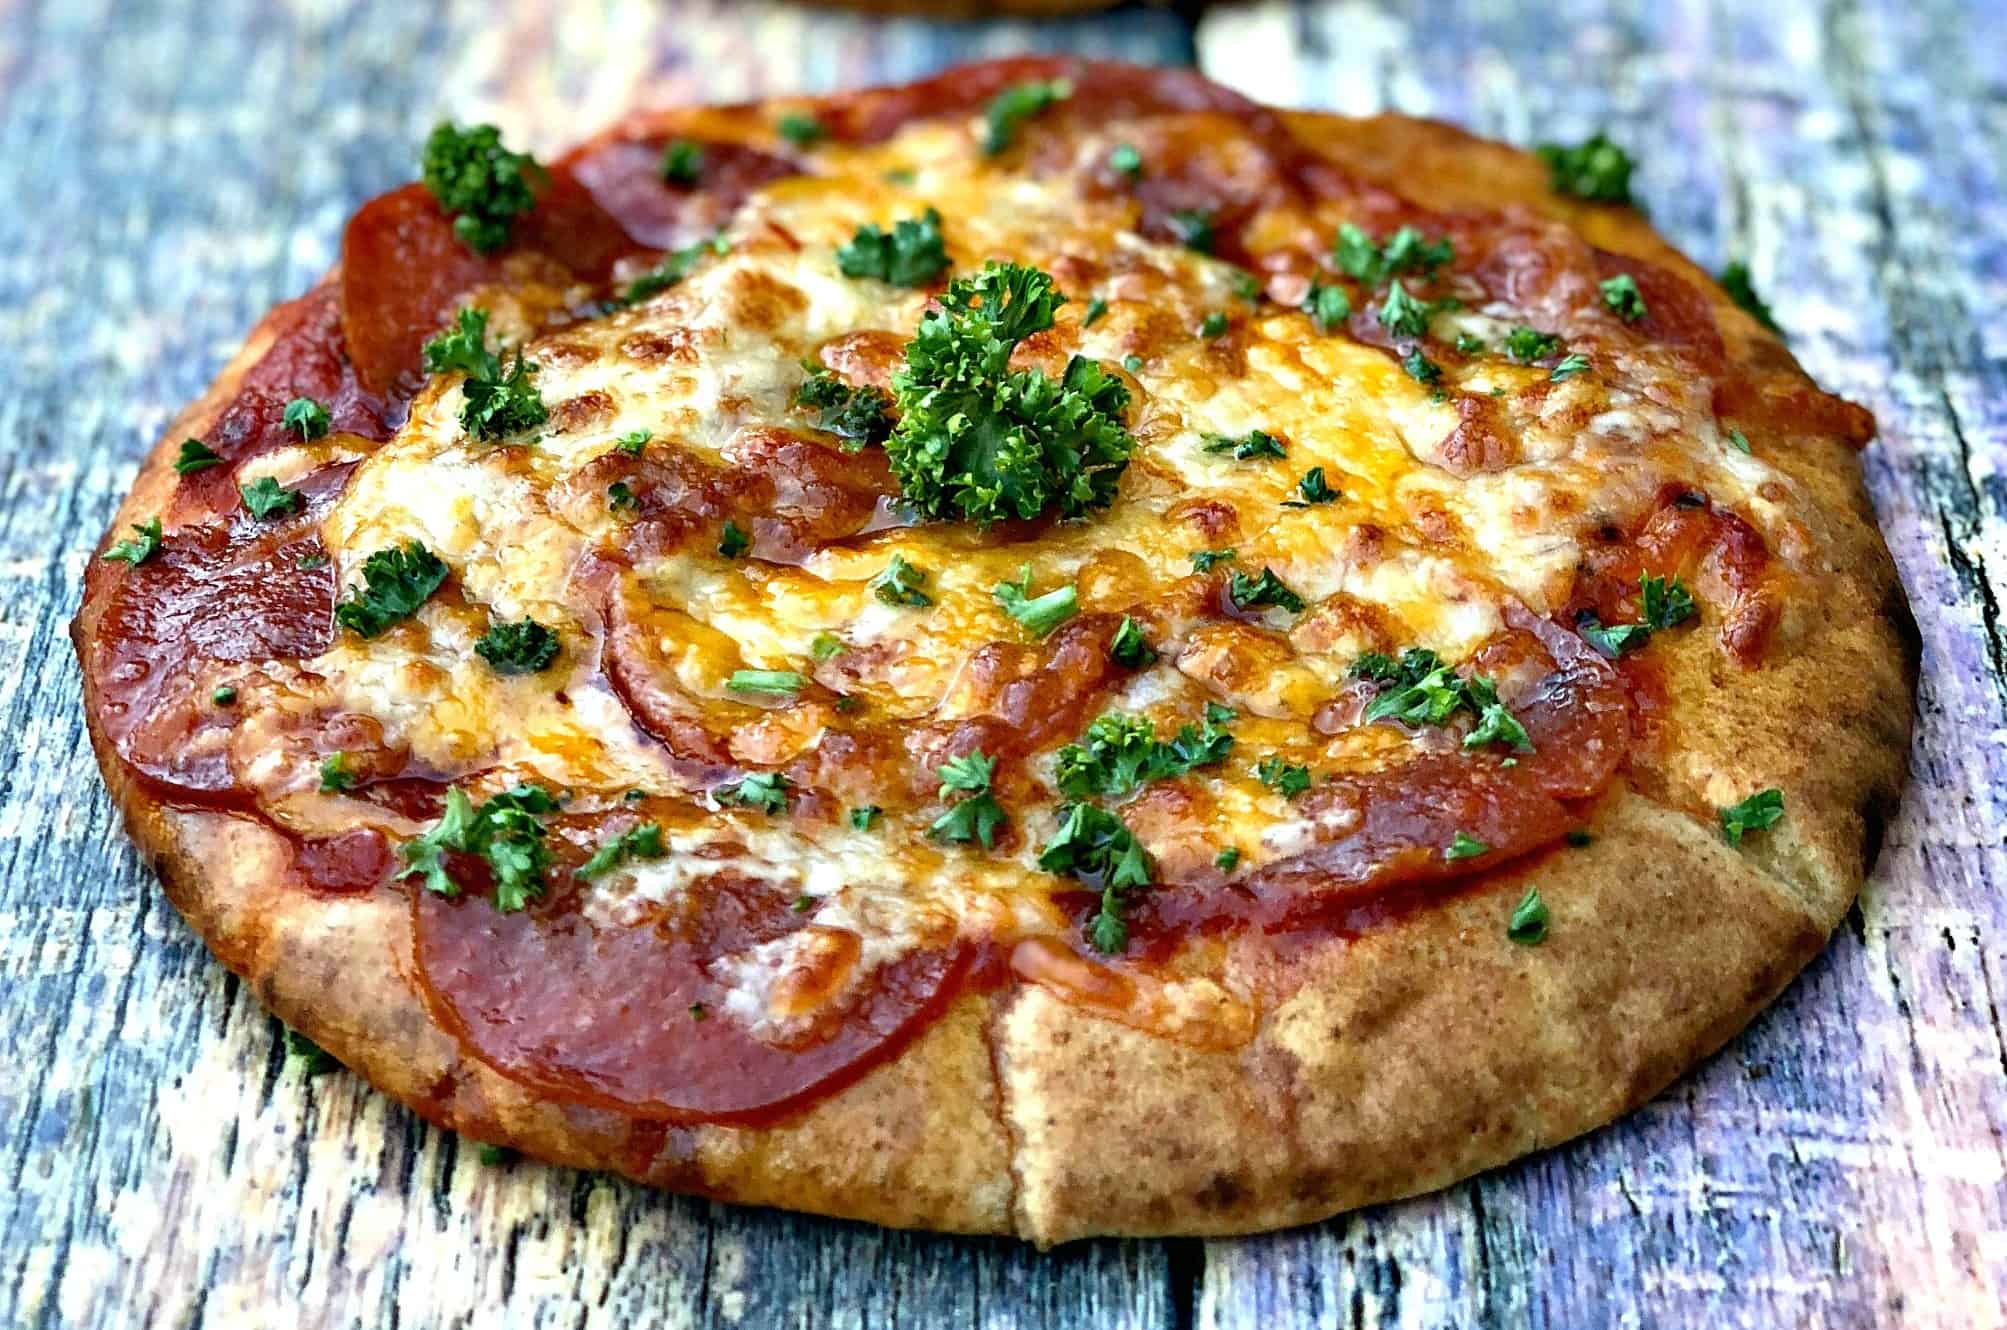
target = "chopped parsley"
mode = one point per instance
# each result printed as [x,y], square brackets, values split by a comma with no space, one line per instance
[308,1056]
[494,1156]
[856,415]
[1228,859]
[1120,753]
[396,581]
[1129,648]
[1738,440]
[1464,847]
[1095,309]
[224,696]
[642,842]
[498,402]
[1132,363]
[910,254]
[195,455]
[1285,778]
[1093,844]
[306,418]
[826,646]
[1735,280]
[1665,601]
[1528,925]
[1041,614]
[1421,369]
[977,815]
[265,498]
[900,584]
[682,162]
[620,497]
[1580,839]
[771,683]
[766,791]
[507,831]
[670,270]
[1249,593]
[524,647]
[732,542]
[982,442]
[1124,160]
[1204,561]
[1613,640]
[1245,284]
[335,775]
[1422,690]
[1468,344]
[1402,315]
[1255,443]
[144,544]
[1327,306]
[800,129]
[863,817]
[1526,344]
[1760,810]
[1622,297]
[1213,325]
[1595,169]
[470,173]
[632,443]
[1571,365]
[1313,489]
[1193,228]
[1016,104]
[1405,251]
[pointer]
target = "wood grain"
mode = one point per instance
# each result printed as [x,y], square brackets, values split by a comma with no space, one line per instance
[175,169]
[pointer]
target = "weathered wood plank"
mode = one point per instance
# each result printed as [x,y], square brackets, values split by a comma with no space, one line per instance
[176,170]
[1841,1164]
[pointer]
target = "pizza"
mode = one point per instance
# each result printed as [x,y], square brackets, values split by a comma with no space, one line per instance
[1048,651]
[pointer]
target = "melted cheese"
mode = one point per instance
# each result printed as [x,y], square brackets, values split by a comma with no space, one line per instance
[722,353]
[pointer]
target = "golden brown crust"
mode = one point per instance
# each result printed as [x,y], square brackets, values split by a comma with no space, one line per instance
[1412,1056]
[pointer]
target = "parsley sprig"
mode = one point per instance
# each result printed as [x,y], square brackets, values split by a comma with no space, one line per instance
[910,254]
[1595,169]
[143,544]
[525,647]
[396,581]
[470,173]
[976,815]
[1094,845]
[1369,262]
[1420,689]
[642,842]
[507,831]
[856,415]
[1120,753]
[1016,104]
[497,402]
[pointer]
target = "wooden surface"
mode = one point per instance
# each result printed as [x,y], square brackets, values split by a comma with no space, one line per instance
[172,169]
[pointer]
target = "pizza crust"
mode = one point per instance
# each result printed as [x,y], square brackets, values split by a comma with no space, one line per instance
[1414,1056]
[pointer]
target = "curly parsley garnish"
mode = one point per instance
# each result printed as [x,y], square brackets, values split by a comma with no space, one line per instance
[977,815]
[1285,778]
[900,584]
[1405,251]
[507,831]
[396,581]
[1093,844]
[1041,614]
[670,270]
[195,455]
[1462,846]
[1760,810]
[1622,297]
[1526,344]
[265,498]
[498,402]
[526,647]
[857,415]
[1249,593]
[800,129]
[1734,279]
[306,418]
[1120,752]
[910,254]
[733,542]
[1129,648]
[1422,690]
[1327,306]
[682,162]
[144,544]
[1596,169]
[1245,448]
[470,173]
[1016,104]
[1402,315]
[642,842]
[1528,925]
[1204,561]
[766,791]
[979,441]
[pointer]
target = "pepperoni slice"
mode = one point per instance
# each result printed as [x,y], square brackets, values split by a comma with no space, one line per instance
[670,1017]
[624,178]
[230,592]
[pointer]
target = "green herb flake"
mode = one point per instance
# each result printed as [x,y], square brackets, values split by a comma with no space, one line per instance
[865,817]
[1129,648]
[826,647]
[800,129]
[1132,363]
[195,456]
[522,647]
[335,775]
[1405,251]
[767,683]
[1571,365]
[143,544]
[1464,847]
[1327,306]
[976,815]
[1526,344]
[1402,315]
[732,542]
[1095,309]
[633,443]
[1124,160]
[1313,489]
[857,415]
[306,1055]
[1009,109]
[1664,601]
[1204,561]
[507,832]
[620,497]
[306,418]
[1469,345]
[265,498]
[1213,325]
[1595,169]
[224,696]
[1227,860]
[1254,592]
[1285,778]
[1041,614]
[1120,753]
[1421,369]
[1736,282]
[1093,844]
[901,583]
[642,842]
[1738,440]
[766,791]
[1528,924]
[1579,839]
[1622,297]
[1246,447]
[670,270]
[1193,228]
[682,162]
[1760,810]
